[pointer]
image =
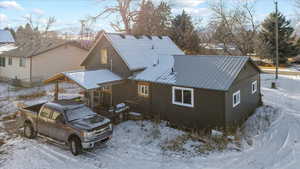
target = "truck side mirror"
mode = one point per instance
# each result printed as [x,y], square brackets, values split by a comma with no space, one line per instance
[61,119]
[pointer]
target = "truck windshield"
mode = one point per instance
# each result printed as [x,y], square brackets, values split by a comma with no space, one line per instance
[79,113]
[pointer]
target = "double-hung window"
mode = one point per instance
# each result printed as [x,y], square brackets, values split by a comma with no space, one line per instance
[143,89]
[183,96]
[254,86]
[236,98]
[2,61]
[22,62]
[10,61]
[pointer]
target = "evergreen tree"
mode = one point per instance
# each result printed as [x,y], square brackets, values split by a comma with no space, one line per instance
[144,20]
[184,34]
[287,46]
[152,20]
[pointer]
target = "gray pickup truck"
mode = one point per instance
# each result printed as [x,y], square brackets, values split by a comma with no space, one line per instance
[67,122]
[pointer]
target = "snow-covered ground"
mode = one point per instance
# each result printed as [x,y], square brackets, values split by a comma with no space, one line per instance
[272,141]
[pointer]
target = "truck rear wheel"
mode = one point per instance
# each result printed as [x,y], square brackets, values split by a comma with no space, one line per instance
[28,130]
[75,146]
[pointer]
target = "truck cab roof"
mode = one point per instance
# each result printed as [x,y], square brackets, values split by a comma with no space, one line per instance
[63,105]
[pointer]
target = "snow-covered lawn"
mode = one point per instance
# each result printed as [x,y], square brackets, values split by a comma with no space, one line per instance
[272,142]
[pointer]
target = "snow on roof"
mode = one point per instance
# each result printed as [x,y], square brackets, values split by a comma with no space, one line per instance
[140,52]
[92,79]
[161,72]
[6,37]
[7,47]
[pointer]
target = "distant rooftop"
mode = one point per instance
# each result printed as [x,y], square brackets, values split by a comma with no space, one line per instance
[6,37]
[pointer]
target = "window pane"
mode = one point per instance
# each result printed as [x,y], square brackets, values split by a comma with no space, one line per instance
[46,113]
[234,99]
[178,95]
[187,97]
[55,115]
[104,56]
[10,61]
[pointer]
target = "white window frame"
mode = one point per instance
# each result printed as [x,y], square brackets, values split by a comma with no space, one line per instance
[238,94]
[3,61]
[104,57]
[10,61]
[182,95]
[143,90]
[254,87]
[22,62]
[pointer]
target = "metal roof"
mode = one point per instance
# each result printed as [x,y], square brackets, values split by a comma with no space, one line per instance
[6,37]
[88,79]
[140,52]
[208,72]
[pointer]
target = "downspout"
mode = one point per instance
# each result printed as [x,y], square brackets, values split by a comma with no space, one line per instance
[111,86]
[30,71]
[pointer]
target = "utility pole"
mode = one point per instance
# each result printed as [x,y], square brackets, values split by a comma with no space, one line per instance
[277,46]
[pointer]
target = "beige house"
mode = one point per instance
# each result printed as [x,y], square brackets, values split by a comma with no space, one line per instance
[33,63]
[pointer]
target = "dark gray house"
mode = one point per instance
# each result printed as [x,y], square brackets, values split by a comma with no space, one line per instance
[155,77]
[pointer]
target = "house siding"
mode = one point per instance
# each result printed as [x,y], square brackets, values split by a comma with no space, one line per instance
[208,110]
[249,102]
[61,59]
[93,60]
[14,71]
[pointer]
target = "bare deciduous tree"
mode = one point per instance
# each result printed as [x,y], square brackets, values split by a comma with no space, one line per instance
[37,24]
[234,25]
[124,9]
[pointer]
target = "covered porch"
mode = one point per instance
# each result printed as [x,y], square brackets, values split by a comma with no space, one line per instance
[97,85]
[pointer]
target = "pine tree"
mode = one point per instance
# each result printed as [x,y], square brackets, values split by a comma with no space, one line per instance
[183,33]
[144,19]
[287,46]
[152,20]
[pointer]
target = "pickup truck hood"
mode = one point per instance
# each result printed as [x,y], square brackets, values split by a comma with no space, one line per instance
[90,123]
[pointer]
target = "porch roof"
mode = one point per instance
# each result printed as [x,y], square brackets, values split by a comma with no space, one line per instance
[88,79]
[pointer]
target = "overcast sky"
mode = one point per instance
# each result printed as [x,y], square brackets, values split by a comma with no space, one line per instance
[69,12]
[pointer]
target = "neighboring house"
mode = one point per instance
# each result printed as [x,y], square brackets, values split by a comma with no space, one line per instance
[155,77]
[6,37]
[31,63]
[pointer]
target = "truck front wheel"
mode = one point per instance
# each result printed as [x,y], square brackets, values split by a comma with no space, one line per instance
[75,146]
[28,130]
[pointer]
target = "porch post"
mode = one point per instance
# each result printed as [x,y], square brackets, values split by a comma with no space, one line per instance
[111,96]
[92,98]
[56,91]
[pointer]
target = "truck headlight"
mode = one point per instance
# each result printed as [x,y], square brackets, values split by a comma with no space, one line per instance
[110,126]
[87,134]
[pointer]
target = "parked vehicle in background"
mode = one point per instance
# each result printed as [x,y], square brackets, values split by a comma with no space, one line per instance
[66,122]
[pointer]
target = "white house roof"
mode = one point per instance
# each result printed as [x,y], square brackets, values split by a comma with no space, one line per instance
[6,37]
[140,52]
[161,72]
[92,79]
[7,47]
